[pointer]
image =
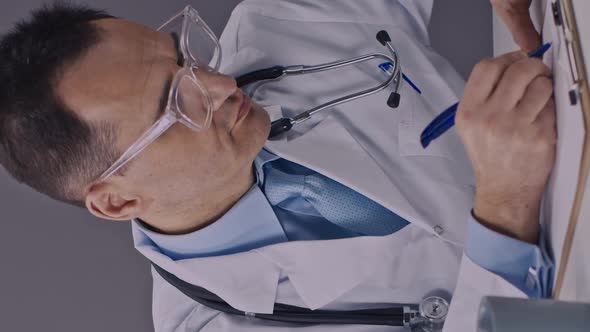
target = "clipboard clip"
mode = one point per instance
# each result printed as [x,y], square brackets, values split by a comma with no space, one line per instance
[557,18]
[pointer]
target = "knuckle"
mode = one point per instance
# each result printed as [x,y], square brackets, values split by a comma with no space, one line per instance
[545,143]
[542,86]
[513,56]
[461,118]
[485,66]
[486,62]
[545,140]
[527,66]
[518,69]
[491,124]
[551,120]
[521,139]
[537,66]
[546,83]
[465,120]
[540,66]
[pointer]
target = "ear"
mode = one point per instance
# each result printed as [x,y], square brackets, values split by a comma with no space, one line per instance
[107,202]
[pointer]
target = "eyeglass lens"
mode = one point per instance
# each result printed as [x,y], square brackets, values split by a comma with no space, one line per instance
[191,101]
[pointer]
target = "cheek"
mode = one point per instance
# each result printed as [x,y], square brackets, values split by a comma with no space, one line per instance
[195,155]
[195,161]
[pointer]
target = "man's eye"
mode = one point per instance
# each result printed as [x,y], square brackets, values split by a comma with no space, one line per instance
[179,57]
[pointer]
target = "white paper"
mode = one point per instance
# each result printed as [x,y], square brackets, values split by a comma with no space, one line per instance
[576,286]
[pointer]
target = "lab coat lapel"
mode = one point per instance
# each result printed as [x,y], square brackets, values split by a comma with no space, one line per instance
[247,281]
[328,148]
[323,271]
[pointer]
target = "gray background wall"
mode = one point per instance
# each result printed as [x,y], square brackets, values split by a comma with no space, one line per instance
[64,270]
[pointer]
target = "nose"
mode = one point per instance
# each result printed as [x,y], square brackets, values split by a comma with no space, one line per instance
[219,86]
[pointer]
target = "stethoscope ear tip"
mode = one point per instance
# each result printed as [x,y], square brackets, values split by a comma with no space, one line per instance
[280,126]
[393,100]
[383,37]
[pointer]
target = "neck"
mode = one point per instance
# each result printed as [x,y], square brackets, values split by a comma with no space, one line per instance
[190,216]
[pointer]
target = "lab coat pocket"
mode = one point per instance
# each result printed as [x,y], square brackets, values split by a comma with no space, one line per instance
[415,116]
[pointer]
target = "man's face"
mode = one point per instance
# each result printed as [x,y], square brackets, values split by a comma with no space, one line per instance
[123,81]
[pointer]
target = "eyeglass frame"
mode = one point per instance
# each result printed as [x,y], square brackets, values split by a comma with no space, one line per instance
[172,114]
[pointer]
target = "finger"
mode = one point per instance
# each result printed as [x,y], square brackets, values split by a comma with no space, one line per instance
[546,117]
[524,32]
[546,123]
[516,80]
[528,40]
[486,74]
[535,99]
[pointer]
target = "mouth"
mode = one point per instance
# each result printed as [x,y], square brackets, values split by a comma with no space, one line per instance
[244,107]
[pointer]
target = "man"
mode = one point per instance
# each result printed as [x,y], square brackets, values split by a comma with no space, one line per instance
[345,212]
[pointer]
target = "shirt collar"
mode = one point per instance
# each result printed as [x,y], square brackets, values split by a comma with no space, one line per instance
[263,157]
[250,223]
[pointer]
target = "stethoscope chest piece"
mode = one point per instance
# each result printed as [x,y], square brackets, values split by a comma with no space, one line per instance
[433,311]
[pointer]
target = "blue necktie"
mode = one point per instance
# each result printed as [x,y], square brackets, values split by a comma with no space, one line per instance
[334,201]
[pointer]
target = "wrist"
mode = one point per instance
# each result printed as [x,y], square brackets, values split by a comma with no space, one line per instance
[514,217]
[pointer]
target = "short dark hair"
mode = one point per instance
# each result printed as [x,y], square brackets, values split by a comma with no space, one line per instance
[43,143]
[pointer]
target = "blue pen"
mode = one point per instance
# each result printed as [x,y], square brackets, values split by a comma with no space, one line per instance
[446,119]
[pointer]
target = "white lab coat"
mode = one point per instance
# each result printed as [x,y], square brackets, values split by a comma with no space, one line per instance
[365,145]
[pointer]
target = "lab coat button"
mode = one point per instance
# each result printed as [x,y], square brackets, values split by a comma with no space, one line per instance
[532,278]
[438,229]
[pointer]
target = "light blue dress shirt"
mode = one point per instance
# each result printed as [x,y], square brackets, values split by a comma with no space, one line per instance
[528,267]
[253,223]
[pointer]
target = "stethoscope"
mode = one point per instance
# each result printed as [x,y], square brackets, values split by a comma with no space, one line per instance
[427,316]
[277,72]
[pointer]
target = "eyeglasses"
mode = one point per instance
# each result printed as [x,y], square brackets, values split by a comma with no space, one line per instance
[188,100]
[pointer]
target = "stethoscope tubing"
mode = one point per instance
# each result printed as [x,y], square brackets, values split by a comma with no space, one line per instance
[397,315]
[302,70]
[277,72]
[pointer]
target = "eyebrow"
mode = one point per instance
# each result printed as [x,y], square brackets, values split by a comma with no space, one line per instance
[163,101]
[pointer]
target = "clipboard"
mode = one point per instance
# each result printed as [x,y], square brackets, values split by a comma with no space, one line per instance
[579,93]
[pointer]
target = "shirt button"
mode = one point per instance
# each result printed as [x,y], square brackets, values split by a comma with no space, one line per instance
[438,229]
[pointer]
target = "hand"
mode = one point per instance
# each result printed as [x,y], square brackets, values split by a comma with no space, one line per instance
[516,16]
[506,120]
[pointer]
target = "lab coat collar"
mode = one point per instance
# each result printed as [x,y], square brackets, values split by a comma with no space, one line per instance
[252,288]
[249,281]
[336,264]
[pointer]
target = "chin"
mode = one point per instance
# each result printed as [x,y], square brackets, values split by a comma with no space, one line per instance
[261,121]
[254,131]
